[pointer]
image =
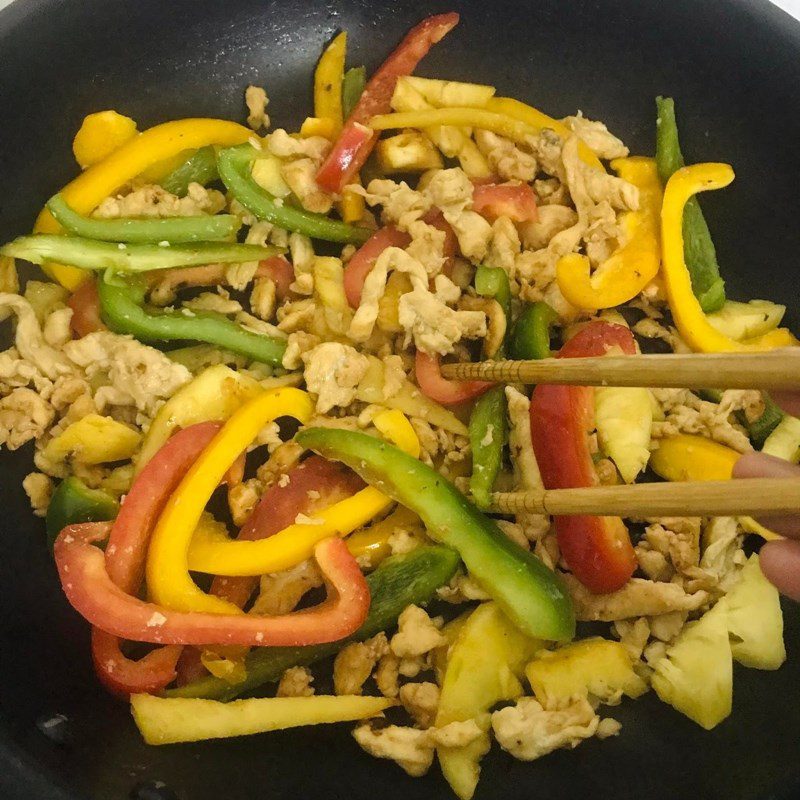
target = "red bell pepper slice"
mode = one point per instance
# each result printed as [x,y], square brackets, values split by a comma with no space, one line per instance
[517,201]
[90,590]
[438,388]
[85,305]
[280,271]
[280,505]
[598,550]
[363,260]
[126,554]
[355,143]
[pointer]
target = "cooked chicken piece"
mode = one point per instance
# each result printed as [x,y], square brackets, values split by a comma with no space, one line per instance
[256,100]
[283,145]
[39,488]
[24,415]
[504,246]
[154,201]
[296,682]
[417,634]
[300,176]
[507,159]
[597,136]
[421,700]
[354,664]
[411,748]
[280,592]
[332,372]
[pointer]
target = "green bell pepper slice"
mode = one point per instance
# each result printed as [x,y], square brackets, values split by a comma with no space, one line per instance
[73,502]
[355,79]
[698,246]
[145,231]
[530,336]
[488,433]
[493,282]
[532,596]
[398,582]
[200,167]
[122,308]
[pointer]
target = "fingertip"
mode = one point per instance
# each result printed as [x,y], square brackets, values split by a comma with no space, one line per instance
[761,465]
[780,563]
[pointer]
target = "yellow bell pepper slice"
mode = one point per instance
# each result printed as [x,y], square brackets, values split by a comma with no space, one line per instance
[169,720]
[156,144]
[689,317]
[538,120]
[213,395]
[220,555]
[168,579]
[632,266]
[328,83]
[318,126]
[352,206]
[100,135]
[685,457]
[372,543]
[94,440]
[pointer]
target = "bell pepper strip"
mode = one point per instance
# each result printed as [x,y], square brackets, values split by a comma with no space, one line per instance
[168,579]
[85,305]
[200,167]
[400,581]
[687,312]
[372,543]
[234,169]
[123,309]
[163,720]
[698,246]
[209,552]
[92,594]
[100,135]
[493,282]
[318,126]
[488,433]
[761,428]
[213,395]
[630,267]
[532,596]
[484,667]
[538,121]
[125,557]
[163,141]
[220,227]
[530,336]
[328,80]
[429,378]
[517,201]
[352,148]
[72,502]
[353,84]
[278,508]
[597,550]
[363,260]
[93,439]
[91,254]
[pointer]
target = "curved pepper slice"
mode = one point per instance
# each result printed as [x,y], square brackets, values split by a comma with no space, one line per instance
[92,594]
[690,320]
[220,555]
[125,559]
[631,267]
[168,579]
[328,78]
[163,141]
[85,305]
[363,260]
[598,550]
[430,380]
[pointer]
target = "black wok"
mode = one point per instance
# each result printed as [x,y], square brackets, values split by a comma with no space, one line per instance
[734,68]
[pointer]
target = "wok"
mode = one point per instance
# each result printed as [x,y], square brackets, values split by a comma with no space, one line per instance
[734,68]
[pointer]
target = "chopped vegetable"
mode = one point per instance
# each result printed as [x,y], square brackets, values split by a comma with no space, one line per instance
[742,321]
[493,282]
[145,231]
[355,79]
[440,389]
[355,143]
[761,428]
[164,720]
[624,417]
[398,582]
[328,80]
[488,432]
[686,457]
[200,167]
[529,593]
[598,550]
[530,336]
[100,135]
[784,441]
[123,310]
[73,502]
[234,169]
[699,250]
[517,201]
[687,312]
[91,254]
[484,666]
[409,151]
[93,439]
[450,93]
[85,305]
[363,260]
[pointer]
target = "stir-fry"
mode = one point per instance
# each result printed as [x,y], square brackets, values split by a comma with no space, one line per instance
[255,477]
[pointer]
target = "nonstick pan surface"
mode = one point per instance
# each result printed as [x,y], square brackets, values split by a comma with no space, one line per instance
[733,67]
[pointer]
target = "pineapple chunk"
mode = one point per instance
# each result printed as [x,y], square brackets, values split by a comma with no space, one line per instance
[267,174]
[696,675]
[755,620]
[745,320]
[329,291]
[593,666]
[450,93]
[784,441]
[409,151]
[624,417]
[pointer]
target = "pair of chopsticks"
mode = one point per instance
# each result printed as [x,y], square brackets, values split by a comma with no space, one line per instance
[776,370]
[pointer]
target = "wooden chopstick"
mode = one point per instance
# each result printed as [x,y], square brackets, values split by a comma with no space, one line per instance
[748,496]
[774,370]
